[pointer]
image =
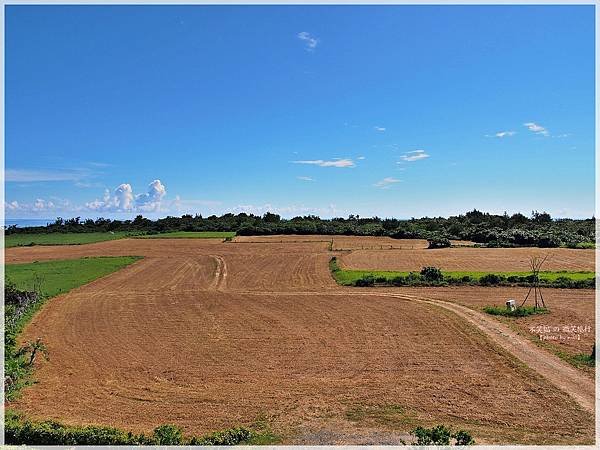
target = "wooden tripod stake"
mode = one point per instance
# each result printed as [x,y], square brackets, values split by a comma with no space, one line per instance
[535,263]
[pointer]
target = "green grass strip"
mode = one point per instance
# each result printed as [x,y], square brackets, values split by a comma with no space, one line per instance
[59,276]
[22,239]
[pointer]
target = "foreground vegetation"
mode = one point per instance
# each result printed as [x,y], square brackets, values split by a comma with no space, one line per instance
[50,278]
[67,238]
[20,431]
[537,230]
[27,287]
[520,311]
[432,276]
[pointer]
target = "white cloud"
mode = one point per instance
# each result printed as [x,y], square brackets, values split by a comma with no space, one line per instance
[12,206]
[564,135]
[380,129]
[30,176]
[310,40]
[150,201]
[305,178]
[386,183]
[502,134]
[361,158]
[535,128]
[334,163]
[414,155]
[123,199]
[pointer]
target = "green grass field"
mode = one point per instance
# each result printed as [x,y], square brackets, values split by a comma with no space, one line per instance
[60,276]
[190,235]
[16,240]
[348,277]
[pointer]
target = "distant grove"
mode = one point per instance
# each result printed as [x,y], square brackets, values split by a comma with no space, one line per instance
[539,229]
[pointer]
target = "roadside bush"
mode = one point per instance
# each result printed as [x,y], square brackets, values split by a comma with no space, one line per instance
[25,432]
[491,279]
[521,311]
[233,436]
[168,435]
[441,435]
[365,281]
[438,242]
[431,274]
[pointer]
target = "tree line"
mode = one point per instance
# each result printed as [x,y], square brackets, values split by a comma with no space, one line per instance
[538,229]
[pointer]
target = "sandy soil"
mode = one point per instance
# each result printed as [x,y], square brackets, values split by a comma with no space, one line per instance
[209,335]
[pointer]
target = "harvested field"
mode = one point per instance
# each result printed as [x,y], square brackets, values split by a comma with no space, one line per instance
[209,335]
[569,307]
[376,243]
[467,259]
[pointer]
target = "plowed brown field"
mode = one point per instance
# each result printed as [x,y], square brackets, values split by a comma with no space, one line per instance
[470,259]
[208,335]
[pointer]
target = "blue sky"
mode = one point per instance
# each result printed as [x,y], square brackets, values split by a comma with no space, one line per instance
[374,110]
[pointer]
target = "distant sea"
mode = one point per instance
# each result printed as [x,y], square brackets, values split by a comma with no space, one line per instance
[27,222]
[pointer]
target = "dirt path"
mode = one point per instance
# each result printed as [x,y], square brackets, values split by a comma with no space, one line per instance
[579,386]
[568,379]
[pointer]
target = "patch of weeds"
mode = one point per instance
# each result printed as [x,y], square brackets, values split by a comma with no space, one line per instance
[390,416]
[521,311]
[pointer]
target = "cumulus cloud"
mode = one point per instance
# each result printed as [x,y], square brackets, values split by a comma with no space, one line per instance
[150,201]
[12,206]
[123,200]
[386,183]
[333,163]
[415,155]
[535,128]
[305,178]
[310,40]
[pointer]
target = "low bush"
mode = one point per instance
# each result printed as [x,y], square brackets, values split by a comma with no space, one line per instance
[491,279]
[520,311]
[365,281]
[430,273]
[441,435]
[438,242]
[25,432]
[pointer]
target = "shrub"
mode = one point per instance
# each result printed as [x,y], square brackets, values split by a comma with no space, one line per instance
[431,274]
[491,279]
[441,435]
[438,242]
[365,281]
[20,432]
[521,311]
[168,435]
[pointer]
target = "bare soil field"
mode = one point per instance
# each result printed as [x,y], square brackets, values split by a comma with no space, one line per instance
[209,335]
[569,307]
[470,259]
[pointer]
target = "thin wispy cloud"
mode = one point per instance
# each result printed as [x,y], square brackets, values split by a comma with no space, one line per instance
[381,129]
[415,155]
[305,178]
[537,129]
[502,134]
[386,183]
[361,157]
[31,176]
[343,163]
[310,41]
